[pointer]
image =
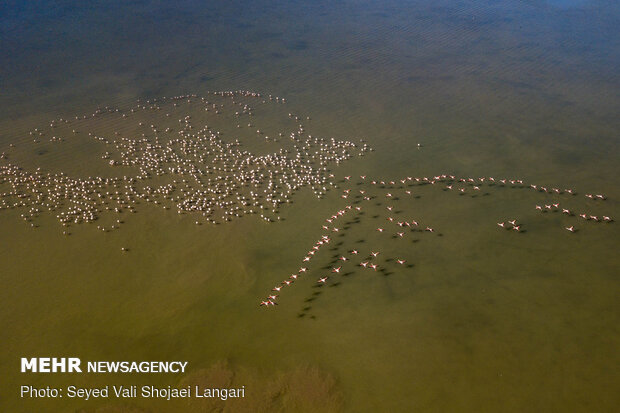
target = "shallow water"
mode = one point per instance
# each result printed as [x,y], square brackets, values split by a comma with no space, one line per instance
[484,320]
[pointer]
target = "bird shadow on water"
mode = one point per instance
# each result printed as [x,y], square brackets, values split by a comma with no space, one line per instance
[311,301]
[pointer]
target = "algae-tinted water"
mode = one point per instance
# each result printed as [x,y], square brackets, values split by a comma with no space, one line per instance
[482,321]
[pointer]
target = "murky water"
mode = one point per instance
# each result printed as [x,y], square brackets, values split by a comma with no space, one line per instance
[480,319]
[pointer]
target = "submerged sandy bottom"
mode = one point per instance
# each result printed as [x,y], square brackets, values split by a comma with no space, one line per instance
[479,319]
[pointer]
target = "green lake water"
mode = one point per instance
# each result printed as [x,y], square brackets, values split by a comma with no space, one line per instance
[480,320]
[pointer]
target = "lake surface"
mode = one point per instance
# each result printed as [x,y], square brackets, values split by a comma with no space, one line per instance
[480,320]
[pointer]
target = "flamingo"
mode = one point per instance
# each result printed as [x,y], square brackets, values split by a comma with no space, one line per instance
[571,228]
[336,269]
[401,262]
[322,280]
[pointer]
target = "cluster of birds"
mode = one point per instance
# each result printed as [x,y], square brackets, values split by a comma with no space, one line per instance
[390,193]
[169,156]
[164,152]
